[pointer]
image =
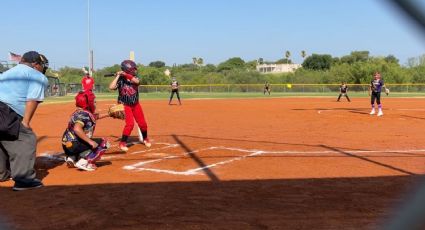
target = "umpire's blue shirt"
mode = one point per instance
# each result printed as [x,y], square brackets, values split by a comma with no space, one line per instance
[21,84]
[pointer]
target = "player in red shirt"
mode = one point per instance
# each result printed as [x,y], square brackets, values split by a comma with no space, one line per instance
[87,83]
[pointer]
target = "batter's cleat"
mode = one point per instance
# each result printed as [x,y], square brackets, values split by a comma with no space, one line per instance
[372,112]
[21,186]
[147,142]
[70,161]
[83,164]
[380,113]
[123,146]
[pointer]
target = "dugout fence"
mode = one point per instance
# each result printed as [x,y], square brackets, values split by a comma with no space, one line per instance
[282,88]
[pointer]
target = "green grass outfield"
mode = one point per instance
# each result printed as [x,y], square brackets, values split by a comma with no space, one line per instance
[197,95]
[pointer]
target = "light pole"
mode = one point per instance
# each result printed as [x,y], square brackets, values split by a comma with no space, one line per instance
[90,52]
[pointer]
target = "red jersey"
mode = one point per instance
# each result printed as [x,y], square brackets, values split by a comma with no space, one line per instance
[87,83]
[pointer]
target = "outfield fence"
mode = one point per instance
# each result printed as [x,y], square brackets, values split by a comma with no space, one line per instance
[61,89]
[283,88]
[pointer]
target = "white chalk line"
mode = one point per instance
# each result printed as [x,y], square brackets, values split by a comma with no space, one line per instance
[167,146]
[55,156]
[333,110]
[251,153]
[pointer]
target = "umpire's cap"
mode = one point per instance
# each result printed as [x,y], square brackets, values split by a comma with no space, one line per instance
[35,57]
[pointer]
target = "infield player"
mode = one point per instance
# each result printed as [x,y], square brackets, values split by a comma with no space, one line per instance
[343,91]
[174,90]
[375,89]
[87,82]
[81,149]
[266,88]
[127,84]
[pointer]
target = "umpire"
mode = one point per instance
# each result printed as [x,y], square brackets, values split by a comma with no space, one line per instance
[21,90]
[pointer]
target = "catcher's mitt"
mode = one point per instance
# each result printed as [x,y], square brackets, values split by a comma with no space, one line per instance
[117,111]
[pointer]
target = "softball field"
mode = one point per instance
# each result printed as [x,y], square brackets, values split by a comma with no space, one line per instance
[272,163]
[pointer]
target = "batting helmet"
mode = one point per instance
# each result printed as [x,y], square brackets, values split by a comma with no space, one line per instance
[86,100]
[129,67]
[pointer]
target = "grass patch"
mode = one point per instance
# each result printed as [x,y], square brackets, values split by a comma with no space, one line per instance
[196,95]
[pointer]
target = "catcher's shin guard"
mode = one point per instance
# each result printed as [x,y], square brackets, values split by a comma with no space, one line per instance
[97,153]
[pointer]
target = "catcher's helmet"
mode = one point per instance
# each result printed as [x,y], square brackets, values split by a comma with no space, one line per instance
[86,100]
[129,67]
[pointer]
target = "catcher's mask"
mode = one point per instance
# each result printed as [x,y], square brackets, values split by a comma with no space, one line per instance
[129,67]
[86,100]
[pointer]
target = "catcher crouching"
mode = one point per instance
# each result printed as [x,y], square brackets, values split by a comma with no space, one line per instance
[127,83]
[81,150]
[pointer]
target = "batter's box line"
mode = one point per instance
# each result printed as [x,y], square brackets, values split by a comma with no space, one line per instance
[195,171]
[167,146]
[60,156]
[136,167]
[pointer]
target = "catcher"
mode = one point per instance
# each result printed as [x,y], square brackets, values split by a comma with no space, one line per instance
[81,150]
[375,89]
[127,84]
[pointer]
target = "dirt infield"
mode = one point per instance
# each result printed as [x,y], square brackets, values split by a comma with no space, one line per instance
[275,163]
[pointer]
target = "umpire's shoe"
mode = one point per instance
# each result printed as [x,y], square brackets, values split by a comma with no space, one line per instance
[26,185]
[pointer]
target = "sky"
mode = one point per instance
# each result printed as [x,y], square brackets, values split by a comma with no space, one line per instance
[175,31]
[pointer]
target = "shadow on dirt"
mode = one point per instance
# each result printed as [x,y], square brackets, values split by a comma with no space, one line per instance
[335,203]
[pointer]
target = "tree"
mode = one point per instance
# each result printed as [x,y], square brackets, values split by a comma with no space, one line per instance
[283,61]
[251,65]
[318,62]
[360,55]
[287,55]
[157,64]
[303,54]
[391,59]
[231,64]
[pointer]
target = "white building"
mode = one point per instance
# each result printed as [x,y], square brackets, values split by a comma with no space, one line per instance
[277,68]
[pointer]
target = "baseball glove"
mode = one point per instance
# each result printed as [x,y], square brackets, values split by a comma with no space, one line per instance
[117,111]
[387,91]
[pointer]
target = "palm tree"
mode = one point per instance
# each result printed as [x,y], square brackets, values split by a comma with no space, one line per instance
[287,55]
[303,54]
[194,60]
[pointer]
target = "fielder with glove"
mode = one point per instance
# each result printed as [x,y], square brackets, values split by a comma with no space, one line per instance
[375,89]
[343,91]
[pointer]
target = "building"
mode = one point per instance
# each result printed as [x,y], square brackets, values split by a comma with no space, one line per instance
[277,68]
